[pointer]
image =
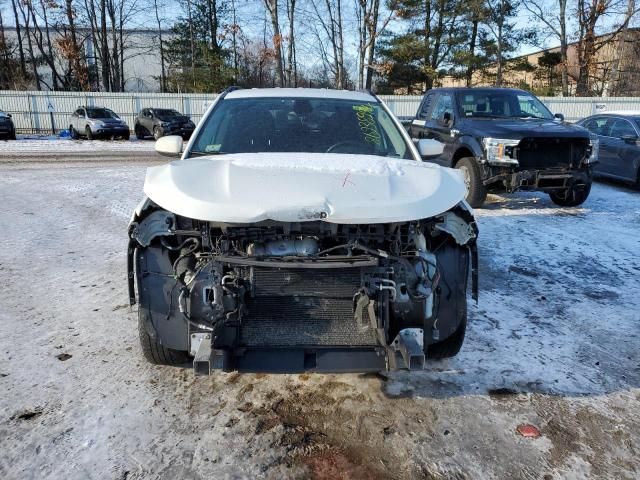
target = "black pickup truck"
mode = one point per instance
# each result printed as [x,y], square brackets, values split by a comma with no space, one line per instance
[506,140]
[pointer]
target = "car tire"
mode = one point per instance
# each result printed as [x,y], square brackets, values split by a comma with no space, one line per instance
[153,351]
[450,346]
[636,185]
[571,197]
[139,132]
[126,136]
[157,133]
[88,133]
[12,135]
[74,133]
[476,191]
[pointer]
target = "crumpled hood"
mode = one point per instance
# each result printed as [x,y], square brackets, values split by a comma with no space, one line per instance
[294,187]
[520,128]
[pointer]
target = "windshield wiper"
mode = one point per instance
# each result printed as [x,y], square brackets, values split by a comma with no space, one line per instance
[196,153]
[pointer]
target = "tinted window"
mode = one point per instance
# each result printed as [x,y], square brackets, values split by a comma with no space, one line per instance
[100,113]
[621,128]
[166,113]
[501,103]
[599,126]
[444,104]
[300,125]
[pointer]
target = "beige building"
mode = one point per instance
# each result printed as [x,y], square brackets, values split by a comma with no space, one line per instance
[616,71]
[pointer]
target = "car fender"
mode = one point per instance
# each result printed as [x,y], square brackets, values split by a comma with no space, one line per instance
[470,143]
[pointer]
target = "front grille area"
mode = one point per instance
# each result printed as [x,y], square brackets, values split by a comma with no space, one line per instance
[298,307]
[544,153]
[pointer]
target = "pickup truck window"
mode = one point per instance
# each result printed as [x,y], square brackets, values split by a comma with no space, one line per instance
[501,104]
[443,104]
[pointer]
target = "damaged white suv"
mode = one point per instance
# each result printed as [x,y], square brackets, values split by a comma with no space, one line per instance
[300,231]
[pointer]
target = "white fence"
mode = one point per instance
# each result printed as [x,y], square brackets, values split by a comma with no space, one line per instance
[31,113]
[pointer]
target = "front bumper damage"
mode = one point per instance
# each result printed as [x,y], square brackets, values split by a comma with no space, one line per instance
[301,291]
[548,180]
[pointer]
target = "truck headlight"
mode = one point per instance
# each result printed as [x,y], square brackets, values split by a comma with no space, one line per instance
[499,151]
[594,150]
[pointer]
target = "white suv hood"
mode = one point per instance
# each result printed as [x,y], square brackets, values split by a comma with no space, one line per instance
[295,187]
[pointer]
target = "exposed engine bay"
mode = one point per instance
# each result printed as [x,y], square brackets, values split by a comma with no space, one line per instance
[297,296]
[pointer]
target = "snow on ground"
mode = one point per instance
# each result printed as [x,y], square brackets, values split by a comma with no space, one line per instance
[553,342]
[50,145]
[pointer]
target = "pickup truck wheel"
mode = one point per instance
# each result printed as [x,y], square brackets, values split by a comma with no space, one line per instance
[74,133]
[88,133]
[571,197]
[476,191]
[156,353]
[450,346]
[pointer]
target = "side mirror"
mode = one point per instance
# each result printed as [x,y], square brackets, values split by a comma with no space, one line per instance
[9,115]
[170,146]
[559,116]
[630,139]
[428,147]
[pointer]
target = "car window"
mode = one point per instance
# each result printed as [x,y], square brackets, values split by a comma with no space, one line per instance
[424,107]
[599,126]
[300,125]
[100,113]
[621,128]
[79,112]
[166,113]
[501,103]
[444,103]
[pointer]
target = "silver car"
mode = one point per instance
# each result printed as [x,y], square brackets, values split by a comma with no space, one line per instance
[97,122]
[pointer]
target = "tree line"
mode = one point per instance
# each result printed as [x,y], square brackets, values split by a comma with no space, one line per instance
[394,46]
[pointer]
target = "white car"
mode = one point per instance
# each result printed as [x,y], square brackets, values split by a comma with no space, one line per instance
[300,231]
[97,122]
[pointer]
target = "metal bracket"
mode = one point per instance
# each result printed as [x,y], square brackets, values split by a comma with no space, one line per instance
[409,342]
[201,350]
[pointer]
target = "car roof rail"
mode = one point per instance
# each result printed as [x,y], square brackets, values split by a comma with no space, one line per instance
[230,89]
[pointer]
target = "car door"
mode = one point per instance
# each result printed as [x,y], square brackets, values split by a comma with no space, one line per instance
[606,151]
[621,149]
[149,119]
[416,131]
[439,124]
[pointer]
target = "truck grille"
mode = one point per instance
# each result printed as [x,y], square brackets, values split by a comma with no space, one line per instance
[298,307]
[544,153]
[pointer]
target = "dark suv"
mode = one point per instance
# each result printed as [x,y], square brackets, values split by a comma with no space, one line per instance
[7,128]
[506,140]
[163,121]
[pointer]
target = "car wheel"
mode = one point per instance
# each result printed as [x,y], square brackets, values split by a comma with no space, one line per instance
[450,346]
[637,184]
[476,191]
[126,136]
[88,133]
[157,133]
[153,351]
[74,133]
[12,135]
[571,197]
[139,132]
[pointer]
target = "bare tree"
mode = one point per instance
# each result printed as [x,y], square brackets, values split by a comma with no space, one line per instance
[553,16]
[272,8]
[331,22]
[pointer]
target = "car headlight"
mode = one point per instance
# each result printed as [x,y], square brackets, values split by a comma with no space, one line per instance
[500,150]
[97,123]
[594,150]
[165,124]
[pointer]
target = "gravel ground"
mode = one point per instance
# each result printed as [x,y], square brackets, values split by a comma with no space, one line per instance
[553,342]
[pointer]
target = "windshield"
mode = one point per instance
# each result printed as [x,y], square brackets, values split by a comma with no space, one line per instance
[300,125]
[637,120]
[100,113]
[3,114]
[166,113]
[502,104]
